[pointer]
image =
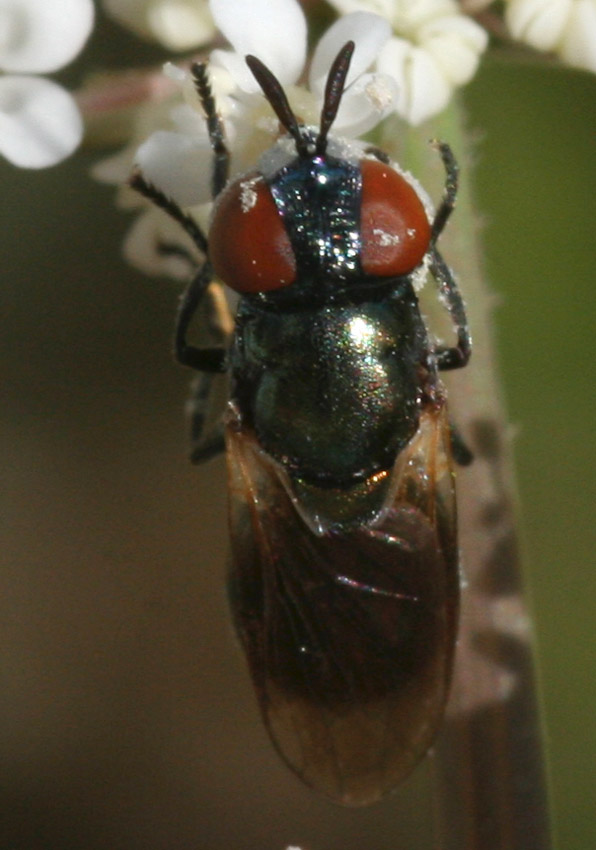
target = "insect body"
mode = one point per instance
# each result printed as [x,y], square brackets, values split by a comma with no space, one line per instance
[344,568]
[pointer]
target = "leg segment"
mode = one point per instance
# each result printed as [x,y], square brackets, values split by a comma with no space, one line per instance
[207,438]
[378,154]
[462,455]
[202,359]
[206,434]
[210,391]
[458,356]
[450,192]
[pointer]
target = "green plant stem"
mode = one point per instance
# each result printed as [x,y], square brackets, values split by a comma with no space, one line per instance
[490,788]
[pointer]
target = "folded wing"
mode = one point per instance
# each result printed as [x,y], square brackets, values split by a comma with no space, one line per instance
[349,631]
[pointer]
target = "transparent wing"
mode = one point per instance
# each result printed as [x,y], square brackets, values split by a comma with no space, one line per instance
[349,633]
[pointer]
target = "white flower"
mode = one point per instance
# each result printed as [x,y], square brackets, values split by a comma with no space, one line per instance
[39,121]
[179,161]
[565,27]
[176,24]
[434,49]
[152,227]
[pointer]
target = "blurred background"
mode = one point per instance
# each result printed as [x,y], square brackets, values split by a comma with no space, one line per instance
[126,717]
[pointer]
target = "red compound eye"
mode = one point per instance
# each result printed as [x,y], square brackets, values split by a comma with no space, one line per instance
[394,226]
[248,244]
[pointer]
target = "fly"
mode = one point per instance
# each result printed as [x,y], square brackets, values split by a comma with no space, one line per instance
[344,580]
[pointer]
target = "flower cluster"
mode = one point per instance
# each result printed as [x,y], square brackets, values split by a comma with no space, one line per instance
[168,157]
[433,50]
[411,55]
[39,121]
[564,27]
[404,62]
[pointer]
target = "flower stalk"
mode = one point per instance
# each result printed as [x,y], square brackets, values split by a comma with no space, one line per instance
[488,773]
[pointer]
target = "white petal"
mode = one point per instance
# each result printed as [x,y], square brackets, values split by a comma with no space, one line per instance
[181,24]
[408,16]
[189,122]
[40,123]
[177,24]
[235,65]
[384,8]
[365,103]
[423,90]
[39,36]
[116,168]
[177,165]
[455,43]
[539,23]
[370,32]
[578,46]
[275,32]
[133,14]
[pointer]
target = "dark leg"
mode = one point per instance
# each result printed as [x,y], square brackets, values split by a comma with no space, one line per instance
[210,391]
[451,358]
[206,430]
[462,455]
[450,191]
[207,437]
[215,128]
[202,359]
[379,154]
[458,356]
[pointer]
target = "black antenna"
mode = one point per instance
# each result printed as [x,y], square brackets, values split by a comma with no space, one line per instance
[277,98]
[334,89]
